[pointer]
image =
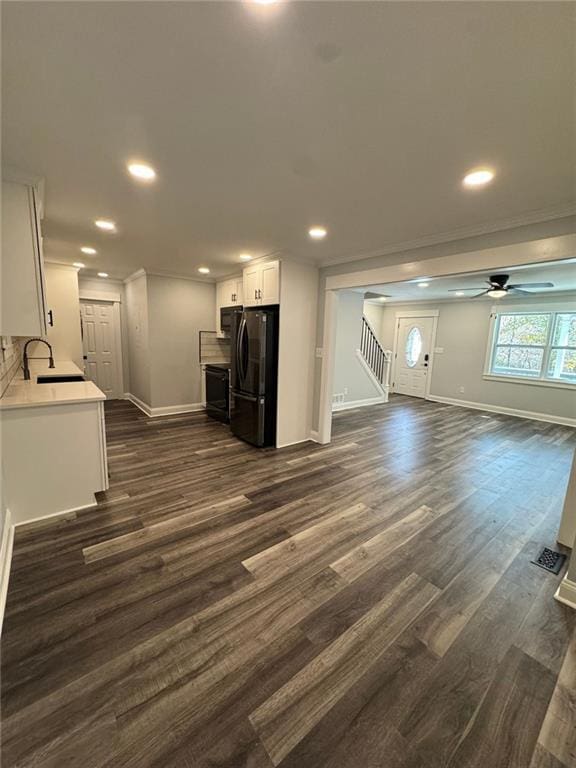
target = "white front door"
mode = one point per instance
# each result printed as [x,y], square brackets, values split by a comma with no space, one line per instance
[413,353]
[99,339]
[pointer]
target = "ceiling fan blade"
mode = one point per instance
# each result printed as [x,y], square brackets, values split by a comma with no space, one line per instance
[373,295]
[460,290]
[532,285]
[480,294]
[519,290]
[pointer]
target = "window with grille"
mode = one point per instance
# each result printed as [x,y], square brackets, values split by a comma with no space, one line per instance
[540,346]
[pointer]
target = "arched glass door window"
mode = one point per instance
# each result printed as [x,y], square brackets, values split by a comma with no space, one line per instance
[413,347]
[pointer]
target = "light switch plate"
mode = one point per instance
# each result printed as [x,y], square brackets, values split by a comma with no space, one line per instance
[319,352]
[438,350]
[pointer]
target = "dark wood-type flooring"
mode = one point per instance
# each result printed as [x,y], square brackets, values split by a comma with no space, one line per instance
[367,604]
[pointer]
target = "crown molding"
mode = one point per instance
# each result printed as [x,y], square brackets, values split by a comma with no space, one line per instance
[61,264]
[134,276]
[143,272]
[531,217]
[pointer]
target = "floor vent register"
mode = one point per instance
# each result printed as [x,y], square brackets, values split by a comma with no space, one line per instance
[550,560]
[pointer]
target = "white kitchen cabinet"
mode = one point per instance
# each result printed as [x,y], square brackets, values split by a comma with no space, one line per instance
[54,443]
[262,284]
[54,458]
[63,302]
[228,294]
[231,292]
[251,285]
[24,308]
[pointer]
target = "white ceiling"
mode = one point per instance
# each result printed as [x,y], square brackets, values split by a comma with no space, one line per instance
[264,120]
[563,276]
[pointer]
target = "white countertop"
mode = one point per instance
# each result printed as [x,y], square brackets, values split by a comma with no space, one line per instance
[22,394]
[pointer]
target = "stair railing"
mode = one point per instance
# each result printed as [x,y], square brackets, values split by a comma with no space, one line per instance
[374,354]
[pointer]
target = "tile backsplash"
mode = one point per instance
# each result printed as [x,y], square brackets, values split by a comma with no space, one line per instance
[10,357]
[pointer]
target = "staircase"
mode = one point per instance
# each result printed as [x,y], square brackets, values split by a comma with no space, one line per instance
[375,356]
[375,362]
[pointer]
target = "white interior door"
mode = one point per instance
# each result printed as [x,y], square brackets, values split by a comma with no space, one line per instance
[100,334]
[413,353]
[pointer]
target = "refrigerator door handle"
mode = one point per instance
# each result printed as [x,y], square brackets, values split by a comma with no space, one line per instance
[263,347]
[242,357]
[237,353]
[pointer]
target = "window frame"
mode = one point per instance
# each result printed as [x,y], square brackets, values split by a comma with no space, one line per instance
[540,381]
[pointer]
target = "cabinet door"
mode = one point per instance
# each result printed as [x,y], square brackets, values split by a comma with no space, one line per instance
[23,293]
[270,283]
[232,292]
[251,286]
[238,290]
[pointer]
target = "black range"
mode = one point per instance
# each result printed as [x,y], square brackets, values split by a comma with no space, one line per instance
[218,391]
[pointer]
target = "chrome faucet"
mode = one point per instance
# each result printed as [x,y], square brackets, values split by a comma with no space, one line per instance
[26,366]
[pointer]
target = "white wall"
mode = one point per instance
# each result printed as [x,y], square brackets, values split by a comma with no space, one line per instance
[296,363]
[350,378]
[373,313]
[178,310]
[138,338]
[463,328]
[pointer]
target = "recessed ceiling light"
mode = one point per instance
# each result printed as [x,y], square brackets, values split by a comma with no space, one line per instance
[459,293]
[264,2]
[478,178]
[105,224]
[88,250]
[423,285]
[102,274]
[317,233]
[382,298]
[204,270]
[79,265]
[142,171]
[245,257]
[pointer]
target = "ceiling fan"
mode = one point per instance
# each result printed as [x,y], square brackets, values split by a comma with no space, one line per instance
[499,287]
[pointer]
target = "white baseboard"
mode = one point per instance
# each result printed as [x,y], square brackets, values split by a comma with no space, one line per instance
[358,403]
[564,420]
[65,514]
[6,546]
[144,407]
[293,442]
[170,410]
[167,410]
[566,592]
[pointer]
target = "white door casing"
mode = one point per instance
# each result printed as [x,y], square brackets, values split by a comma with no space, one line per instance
[413,353]
[101,345]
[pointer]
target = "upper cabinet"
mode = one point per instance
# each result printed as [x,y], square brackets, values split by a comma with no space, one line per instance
[231,292]
[228,294]
[262,284]
[23,310]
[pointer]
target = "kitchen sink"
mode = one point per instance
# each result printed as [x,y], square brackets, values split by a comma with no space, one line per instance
[58,379]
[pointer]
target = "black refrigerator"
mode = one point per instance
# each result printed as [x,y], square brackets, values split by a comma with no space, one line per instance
[254,375]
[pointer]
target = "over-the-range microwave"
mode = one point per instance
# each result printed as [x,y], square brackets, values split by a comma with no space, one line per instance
[226,318]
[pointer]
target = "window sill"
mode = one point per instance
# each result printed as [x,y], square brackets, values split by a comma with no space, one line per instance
[531,382]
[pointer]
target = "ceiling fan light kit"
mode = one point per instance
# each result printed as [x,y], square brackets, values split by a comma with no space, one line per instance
[499,287]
